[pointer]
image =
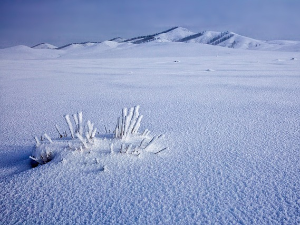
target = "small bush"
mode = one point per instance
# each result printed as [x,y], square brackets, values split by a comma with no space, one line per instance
[125,139]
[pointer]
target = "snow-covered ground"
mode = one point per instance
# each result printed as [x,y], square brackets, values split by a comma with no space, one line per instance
[231,120]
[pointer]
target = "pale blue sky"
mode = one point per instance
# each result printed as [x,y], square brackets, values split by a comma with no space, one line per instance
[61,22]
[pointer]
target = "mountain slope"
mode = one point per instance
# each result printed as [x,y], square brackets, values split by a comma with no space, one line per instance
[223,39]
[25,52]
[148,38]
[173,35]
[81,44]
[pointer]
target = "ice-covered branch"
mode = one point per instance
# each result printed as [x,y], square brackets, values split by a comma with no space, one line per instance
[58,130]
[82,140]
[80,123]
[76,123]
[129,123]
[67,117]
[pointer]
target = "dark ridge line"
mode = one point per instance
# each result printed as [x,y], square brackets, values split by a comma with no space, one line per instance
[146,39]
[217,37]
[81,43]
[148,36]
[193,36]
[224,38]
[64,46]
[41,44]
[113,39]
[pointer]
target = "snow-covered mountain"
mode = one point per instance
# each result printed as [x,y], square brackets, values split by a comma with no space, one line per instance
[179,34]
[44,46]
[233,40]
[224,39]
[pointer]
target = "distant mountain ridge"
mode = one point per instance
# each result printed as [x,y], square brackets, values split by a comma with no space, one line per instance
[179,34]
[44,46]
[147,38]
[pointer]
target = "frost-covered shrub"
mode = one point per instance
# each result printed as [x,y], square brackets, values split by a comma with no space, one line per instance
[127,130]
[125,139]
[41,154]
[45,149]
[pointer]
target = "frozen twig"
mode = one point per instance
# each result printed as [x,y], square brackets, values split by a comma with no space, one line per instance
[94,133]
[67,117]
[48,138]
[124,114]
[76,123]
[82,140]
[58,130]
[155,138]
[128,149]
[133,119]
[112,148]
[137,125]
[90,127]
[88,138]
[161,150]
[142,142]
[80,123]
[146,132]
[37,142]
[122,148]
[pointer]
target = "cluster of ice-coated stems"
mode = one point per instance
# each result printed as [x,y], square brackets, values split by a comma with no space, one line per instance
[127,126]
[78,131]
[129,123]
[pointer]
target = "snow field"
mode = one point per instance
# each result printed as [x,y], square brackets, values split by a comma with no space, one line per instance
[232,133]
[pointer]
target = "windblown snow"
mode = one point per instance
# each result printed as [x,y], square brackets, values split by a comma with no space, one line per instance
[230,119]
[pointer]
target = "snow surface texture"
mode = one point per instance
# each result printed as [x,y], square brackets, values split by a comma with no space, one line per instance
[231,118]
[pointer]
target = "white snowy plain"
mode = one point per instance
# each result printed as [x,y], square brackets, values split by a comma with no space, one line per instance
[231,120]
